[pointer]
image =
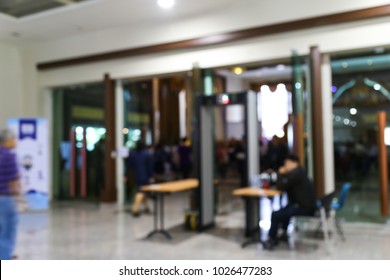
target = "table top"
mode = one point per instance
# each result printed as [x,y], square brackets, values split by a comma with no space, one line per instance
[171,187]
[256,192]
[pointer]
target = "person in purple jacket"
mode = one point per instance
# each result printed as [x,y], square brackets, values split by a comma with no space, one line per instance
[9,189]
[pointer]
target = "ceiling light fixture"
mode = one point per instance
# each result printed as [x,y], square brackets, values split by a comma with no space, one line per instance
[238,70]
[377,86]
[166,4]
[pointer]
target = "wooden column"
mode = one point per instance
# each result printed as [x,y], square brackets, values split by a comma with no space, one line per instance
[73,164]
[317,121]
[84,166]
[383,165]
[156,110]
[299,137]
[108,193]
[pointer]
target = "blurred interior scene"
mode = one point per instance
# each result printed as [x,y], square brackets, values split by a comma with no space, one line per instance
[173,129]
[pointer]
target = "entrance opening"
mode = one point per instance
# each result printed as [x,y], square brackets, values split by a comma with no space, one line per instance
[79,134]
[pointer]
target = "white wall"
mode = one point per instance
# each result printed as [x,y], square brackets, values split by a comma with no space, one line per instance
[11,83]
[238,15]
[19,76]
[344,37]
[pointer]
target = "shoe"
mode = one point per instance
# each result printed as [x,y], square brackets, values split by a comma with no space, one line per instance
[283,238]
[135,214]
[269,244]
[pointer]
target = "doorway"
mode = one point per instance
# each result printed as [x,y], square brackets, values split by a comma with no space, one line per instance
[78,142]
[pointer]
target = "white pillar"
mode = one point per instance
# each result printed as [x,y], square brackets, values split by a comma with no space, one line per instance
[119,119]
[327,125]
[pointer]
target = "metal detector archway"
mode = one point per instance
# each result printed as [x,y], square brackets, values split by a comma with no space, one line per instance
[204,149]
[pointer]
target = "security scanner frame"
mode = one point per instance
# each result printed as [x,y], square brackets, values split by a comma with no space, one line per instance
[204,152]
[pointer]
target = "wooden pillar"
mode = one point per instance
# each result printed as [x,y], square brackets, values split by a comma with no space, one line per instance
[156,110]
[73,163]
[317,121]
[108,194]
[84,166]
[383,165]
[299,137]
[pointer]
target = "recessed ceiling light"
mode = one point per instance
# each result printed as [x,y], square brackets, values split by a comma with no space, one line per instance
[166,4]
[238,70]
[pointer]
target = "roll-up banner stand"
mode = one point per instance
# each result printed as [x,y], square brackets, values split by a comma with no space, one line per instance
[32,152]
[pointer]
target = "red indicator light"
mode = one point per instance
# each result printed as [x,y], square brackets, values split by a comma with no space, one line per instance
[224,99]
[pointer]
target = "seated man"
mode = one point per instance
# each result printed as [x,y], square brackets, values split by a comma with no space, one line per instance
[292,179]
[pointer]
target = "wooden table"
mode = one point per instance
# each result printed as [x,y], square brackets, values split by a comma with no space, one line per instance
[160,190]
[252,196]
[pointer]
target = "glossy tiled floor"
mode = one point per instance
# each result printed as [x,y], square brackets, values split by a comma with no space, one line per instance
[84,231]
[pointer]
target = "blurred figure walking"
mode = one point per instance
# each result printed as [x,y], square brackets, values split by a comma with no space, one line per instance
[140,162]
[9,190]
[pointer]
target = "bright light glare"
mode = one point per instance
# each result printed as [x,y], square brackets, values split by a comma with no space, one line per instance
[353,111]
[377,86]
[265,225]
[79,130]
[137,132]
[166,4]
[280,134]
[238,70]
[387,136]
[101,131]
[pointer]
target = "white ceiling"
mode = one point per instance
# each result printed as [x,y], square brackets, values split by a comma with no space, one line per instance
[94,15]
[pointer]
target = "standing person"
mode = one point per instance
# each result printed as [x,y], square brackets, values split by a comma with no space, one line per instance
[98,166]
[141,163]
[185,151]
[9,190]
[292,179]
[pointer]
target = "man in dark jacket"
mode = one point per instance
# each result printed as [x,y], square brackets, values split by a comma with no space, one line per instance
[140,162]
[293,180]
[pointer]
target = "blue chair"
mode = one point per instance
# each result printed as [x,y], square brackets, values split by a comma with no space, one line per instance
[322,215]
[338,204]
[327,208]
[335,204]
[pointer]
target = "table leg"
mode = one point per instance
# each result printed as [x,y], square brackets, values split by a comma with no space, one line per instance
[159,207]
[256,232]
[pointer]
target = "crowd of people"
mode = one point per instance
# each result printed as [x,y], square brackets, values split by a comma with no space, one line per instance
[231,155]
